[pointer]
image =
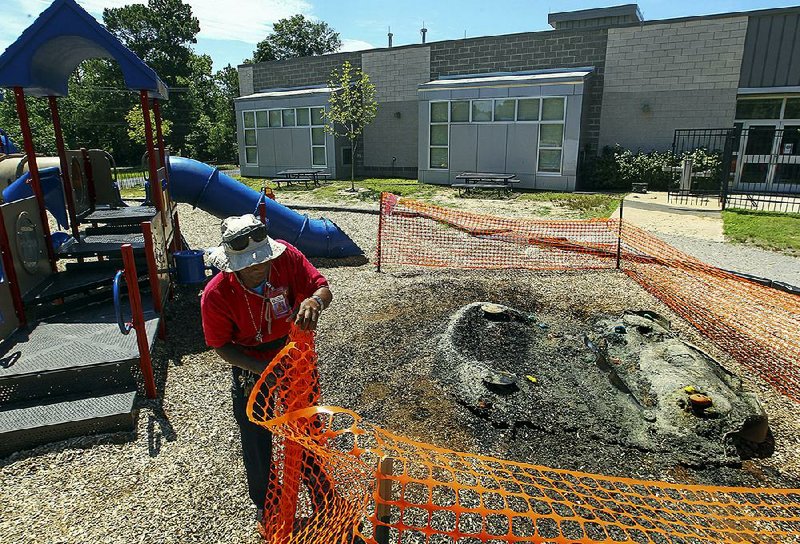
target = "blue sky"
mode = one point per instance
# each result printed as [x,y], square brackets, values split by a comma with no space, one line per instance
[231,28]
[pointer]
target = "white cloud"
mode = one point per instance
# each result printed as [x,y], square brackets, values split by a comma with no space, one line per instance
[243,20]
[355,45]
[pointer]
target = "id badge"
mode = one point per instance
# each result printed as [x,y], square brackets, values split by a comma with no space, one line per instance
[279,301]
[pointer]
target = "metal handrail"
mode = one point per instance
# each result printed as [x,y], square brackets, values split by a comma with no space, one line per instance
[124,327]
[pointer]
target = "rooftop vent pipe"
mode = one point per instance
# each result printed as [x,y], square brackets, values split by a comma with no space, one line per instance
[423,31]
[390,36]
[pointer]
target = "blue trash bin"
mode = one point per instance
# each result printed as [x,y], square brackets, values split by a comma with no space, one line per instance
[189,266]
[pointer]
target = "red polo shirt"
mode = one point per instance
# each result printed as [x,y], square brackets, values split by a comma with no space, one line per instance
[229,310]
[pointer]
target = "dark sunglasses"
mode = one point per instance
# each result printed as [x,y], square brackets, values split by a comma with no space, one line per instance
[241,241]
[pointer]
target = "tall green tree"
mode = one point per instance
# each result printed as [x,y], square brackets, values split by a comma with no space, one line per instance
[297,37]
[351,107]
[162,33]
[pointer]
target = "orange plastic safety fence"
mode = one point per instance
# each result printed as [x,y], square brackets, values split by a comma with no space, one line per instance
[328,487]
[417,233]
[756,324]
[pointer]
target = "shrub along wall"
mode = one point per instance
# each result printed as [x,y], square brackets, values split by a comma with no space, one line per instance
[616,168]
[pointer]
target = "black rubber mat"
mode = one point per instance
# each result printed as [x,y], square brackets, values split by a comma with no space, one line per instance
[100,244]
[81,338]
[121,216]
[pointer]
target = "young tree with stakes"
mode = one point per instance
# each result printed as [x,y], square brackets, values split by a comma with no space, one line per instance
[351,107]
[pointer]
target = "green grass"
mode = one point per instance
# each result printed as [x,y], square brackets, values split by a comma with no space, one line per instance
[132,192]
[770,230]
[369,189]
[588,206]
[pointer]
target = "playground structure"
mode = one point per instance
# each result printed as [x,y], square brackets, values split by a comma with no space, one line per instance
[69,365]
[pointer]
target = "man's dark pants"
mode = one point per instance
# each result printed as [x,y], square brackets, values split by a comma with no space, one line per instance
[256,444]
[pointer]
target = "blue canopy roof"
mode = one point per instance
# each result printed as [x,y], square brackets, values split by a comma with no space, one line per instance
[63,36]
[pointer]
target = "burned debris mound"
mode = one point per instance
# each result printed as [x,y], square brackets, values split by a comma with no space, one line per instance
[626,380]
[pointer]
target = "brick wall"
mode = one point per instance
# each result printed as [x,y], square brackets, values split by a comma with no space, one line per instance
[662,77]
[300,72]
[531,51]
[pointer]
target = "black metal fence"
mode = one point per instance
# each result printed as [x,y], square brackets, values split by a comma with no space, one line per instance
[756,168]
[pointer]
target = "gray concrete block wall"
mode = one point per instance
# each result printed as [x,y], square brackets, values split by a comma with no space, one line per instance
[392,136]
[532,51]
[396,73]
[300,72]
[662,77]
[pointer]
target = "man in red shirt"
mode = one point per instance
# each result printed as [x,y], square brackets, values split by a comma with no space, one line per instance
[247,311]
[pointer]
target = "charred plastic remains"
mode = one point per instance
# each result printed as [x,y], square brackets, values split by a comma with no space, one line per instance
[626,379]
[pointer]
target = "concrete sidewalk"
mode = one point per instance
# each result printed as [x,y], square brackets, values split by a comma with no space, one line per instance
[697,230]
[654,213]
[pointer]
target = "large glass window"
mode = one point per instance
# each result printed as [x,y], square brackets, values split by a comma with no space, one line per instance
[316,116]
[249,119]
[528,109]
[759,108]
[553,109]
[459,111]
[288,117]
[439,135]
[481,111]
[504,109]
[303,117]
[551,142]
[319,154]
[439,112]
[250,138]
[275,118]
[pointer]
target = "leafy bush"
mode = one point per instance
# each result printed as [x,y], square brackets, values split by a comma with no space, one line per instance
[616,168]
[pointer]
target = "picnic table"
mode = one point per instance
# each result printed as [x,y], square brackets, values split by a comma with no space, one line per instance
[484,180]
[303,175]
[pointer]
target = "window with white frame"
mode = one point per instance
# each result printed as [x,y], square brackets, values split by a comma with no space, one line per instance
[285,118]
[319,151]
[551,135]
[250,140]
[439,135]
[548,113]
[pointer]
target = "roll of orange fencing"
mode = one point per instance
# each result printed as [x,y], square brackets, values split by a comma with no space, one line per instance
[758,325]
[327,488]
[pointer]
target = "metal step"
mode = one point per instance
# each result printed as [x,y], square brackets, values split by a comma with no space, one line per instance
[28,427]
[45,359]
[100,245]
[131,215]
[69,282]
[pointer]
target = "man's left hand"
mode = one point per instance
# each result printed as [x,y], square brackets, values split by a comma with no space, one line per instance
[308,315]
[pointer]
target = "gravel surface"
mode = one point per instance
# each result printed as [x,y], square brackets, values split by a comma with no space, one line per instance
[180,479]
[740,258]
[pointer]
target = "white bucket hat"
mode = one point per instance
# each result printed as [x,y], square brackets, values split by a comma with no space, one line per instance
[227,259]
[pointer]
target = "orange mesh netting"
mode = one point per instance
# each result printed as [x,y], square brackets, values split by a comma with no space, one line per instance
[337,479]
[756,324]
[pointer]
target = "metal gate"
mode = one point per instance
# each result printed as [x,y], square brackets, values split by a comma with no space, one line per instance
[752,166]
